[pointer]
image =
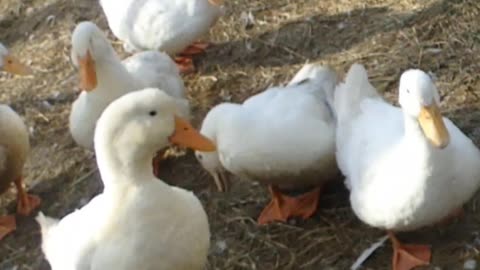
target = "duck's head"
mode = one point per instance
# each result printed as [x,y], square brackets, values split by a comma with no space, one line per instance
[89,45]
[211,161]
[10,64]
[138,124]
[419,98]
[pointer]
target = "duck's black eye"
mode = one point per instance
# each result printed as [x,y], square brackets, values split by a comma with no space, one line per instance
[152,113]
[200,157]
[408,90]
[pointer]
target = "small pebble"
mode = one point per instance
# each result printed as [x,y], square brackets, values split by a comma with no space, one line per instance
[220,247]
[51,20]
[247,19]
[47,105]
[341,26]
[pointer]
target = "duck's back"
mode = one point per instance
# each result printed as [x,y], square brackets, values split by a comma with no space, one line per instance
[284,133]
[14,146]
[156,69]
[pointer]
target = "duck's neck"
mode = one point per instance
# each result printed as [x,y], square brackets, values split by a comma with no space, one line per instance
[112,76]
[413,131]
[121,163]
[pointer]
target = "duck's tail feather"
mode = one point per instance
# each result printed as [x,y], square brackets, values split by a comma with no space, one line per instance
[352,91]
[323,77]
[46,223]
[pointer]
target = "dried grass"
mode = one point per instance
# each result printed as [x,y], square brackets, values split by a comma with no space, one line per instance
[388,36]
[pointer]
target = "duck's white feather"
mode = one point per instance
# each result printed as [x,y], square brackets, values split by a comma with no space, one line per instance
[278,136]
[163,25]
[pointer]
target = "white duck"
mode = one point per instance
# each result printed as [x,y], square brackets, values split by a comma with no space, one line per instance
[164,25]
[406,168]
[104,78]
[283,137]
[137,222]
[14,148]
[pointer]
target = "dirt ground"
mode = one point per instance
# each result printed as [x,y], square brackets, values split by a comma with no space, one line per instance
[389,36]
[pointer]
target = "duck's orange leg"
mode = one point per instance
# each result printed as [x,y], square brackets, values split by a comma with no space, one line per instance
[7,225]
[184,59]
[283,207]
[195,48]
[26,203]
[406,257]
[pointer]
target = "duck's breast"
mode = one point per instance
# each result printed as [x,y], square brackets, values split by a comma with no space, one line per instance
[155,230]
[14,146]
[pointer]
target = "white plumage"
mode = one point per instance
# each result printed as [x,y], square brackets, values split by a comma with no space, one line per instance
[283,136]
[164,25]
[138,222]
[398,177]
[115,78]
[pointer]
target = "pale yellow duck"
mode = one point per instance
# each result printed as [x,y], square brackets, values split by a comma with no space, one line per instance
[138,221]
[14,148]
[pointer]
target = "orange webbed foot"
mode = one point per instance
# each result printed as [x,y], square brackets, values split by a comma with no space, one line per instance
[406,257]
[27,204]
[195,48]
[184,59]
[184,64]
[7,225]
[283,207]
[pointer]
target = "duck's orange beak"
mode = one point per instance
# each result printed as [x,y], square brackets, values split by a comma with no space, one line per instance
[88,74]
[433,127]
[216,2]
[14,66]
[185,135]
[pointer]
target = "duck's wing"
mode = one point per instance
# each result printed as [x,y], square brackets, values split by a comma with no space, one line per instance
[70,243]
